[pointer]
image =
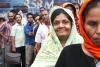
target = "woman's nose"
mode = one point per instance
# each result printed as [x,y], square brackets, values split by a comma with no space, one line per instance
[98,29]
[61,24]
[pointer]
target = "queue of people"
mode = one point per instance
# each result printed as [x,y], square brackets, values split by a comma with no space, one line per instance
[65,36]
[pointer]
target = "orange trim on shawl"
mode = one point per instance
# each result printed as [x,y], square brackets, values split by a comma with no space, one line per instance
[88,44]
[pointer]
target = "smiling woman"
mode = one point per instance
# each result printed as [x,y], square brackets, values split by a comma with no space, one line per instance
[62,33]
[62,23]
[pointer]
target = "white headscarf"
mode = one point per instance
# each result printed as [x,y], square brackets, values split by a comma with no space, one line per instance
[51,49]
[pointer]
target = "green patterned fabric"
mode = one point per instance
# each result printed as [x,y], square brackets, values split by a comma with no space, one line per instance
[52,47]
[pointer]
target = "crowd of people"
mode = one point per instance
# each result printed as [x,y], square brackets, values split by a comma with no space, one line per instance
[63,36]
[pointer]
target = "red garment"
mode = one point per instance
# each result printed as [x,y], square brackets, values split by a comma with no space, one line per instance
[88,44]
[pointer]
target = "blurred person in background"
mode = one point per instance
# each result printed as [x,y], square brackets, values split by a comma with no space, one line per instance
[43,29]
[29,39]
[77,6]
[18,40]
[2,53]
[6,30]
[70,6]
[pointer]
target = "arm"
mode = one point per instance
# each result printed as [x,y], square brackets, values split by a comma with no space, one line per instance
[13,34]
[27,31]
[37,47]
[2,31]
[13,43]
[38,41]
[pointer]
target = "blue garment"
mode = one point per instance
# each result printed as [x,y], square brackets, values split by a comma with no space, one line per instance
[29,39]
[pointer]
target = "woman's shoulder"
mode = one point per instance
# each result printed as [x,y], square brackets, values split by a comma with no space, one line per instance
[74,48]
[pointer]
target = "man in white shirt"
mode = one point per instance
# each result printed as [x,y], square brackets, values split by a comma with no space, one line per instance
[43,30]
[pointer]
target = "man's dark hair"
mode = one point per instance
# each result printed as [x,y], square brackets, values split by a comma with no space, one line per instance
[30,14]
[2,19]
[35,15]
[42,8]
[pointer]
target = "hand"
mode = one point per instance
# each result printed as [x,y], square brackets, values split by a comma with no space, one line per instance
[36,49]
[30,34]
[13,49]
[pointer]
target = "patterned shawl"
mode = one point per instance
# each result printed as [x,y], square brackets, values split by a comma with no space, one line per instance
[51,49]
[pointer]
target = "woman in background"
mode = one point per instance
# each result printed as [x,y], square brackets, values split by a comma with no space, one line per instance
[72,7]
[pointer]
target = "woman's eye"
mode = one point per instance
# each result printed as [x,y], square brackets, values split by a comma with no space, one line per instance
[65,21]
[92,23]
[56,22]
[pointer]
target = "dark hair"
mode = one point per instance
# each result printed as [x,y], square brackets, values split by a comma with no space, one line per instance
[30,14]
[58,12]
[35,15]
[42,8]
[73,9]
[19,15]
[91,4]
[76,4]
[2,19]
[13,11]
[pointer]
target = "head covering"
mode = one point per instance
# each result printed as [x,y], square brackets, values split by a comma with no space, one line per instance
[51,49]
[74,36]
[67,4]
[88,44]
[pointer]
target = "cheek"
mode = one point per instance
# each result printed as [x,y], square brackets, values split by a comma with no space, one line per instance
[68,30]
[90,31]
[55,28]
[68,26]
[20,18]
[31,19]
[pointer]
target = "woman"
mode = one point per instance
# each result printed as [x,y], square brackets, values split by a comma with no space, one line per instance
[62,33]
[87,54]
[77,7]
[70,6]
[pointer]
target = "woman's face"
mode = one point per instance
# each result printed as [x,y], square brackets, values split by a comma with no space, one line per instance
[62,25]
[92,25]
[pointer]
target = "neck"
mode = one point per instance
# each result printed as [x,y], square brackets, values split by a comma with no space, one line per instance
[85,51]
[11,23]
[47,23]
[30,22]
[20,23]
[63,41]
